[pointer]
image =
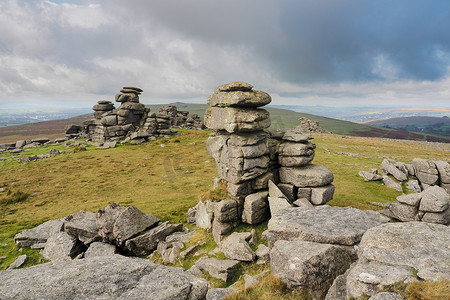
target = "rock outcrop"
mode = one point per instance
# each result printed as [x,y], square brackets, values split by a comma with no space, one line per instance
[115,277]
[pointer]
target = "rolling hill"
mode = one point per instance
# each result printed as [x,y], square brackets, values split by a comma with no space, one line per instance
[434,125]
[281,118]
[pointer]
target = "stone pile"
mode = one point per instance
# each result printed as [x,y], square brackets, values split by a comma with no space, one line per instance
[431,205]
[115,229]
[300,179]
[427,173]
[308,125]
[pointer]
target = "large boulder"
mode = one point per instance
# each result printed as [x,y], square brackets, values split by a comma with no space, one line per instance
[308,176]
[145,243]
[324,224]
[307,265]
[39,234]
[434,199]
[106,219]
[425,171]
[83,226]
[234,119]
[131,222]
[419,245]
[101,278]
[62,246]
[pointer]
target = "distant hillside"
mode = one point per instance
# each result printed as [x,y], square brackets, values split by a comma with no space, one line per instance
[281,118]
[435,125]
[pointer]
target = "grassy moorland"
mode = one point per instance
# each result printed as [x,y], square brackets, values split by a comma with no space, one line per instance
[166,177]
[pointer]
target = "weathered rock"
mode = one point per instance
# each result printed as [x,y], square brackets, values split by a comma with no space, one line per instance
[249,281]
[234,86]
[307,176]
[413,185]
[218,268]
[145,243]
[256,209]
[101,278]
[434,199]
[226,211]
[304,193]
[368,176]
[389,167]
[288,190]
[425,171]
[41,140]
[262,254]
[296,135]
[205,214]
[236,119]
[443,168]
[277,204]
[321,195]
[38,234]
[296,149]
[21,143]
[83,226]
[392,184]
[62,246]
[105,219]
[410,199]
[131,222]
[20,261]
[303,202]
[100,249]
[403,212]
[235,247]
[439,218]
[307,265]
[220,229]
[338,290]
[419,245]
[239,99]
[324,224]
[386,296]
[368,278]
[274,190]
[295,161]
[219,293]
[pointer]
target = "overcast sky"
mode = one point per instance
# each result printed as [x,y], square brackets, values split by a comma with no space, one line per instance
[305,52]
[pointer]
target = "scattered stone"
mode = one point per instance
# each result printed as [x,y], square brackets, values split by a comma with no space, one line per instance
[235,247]
[218,268]
[62,246]
[219,293]
[188,251]
[39,234]
[368,176]
[100,249]
[392,184]
[20,261]
[262,253]
[308,265]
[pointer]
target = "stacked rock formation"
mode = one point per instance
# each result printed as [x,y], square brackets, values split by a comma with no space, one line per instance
[299,178]
[311,126]
[239,145]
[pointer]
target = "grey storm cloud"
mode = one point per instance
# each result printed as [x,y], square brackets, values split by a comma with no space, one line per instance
[183,49]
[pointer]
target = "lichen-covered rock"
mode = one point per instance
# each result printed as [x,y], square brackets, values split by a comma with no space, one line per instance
[307,176]
[62,246]
[101,278]
[236,247]
[324,224]
[239,99]
[234,119]
[39,234]
[83,226]
[308,265]
[389,167]
[434,199]
[100,249]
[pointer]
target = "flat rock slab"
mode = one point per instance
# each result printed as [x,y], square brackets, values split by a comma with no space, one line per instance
[39,234]
[324,224]
[306,176]
[222,269]
[234,119]
[419,245]
[307,265]
[115,277]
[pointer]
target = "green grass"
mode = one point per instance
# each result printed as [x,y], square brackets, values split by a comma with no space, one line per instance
[166,181]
